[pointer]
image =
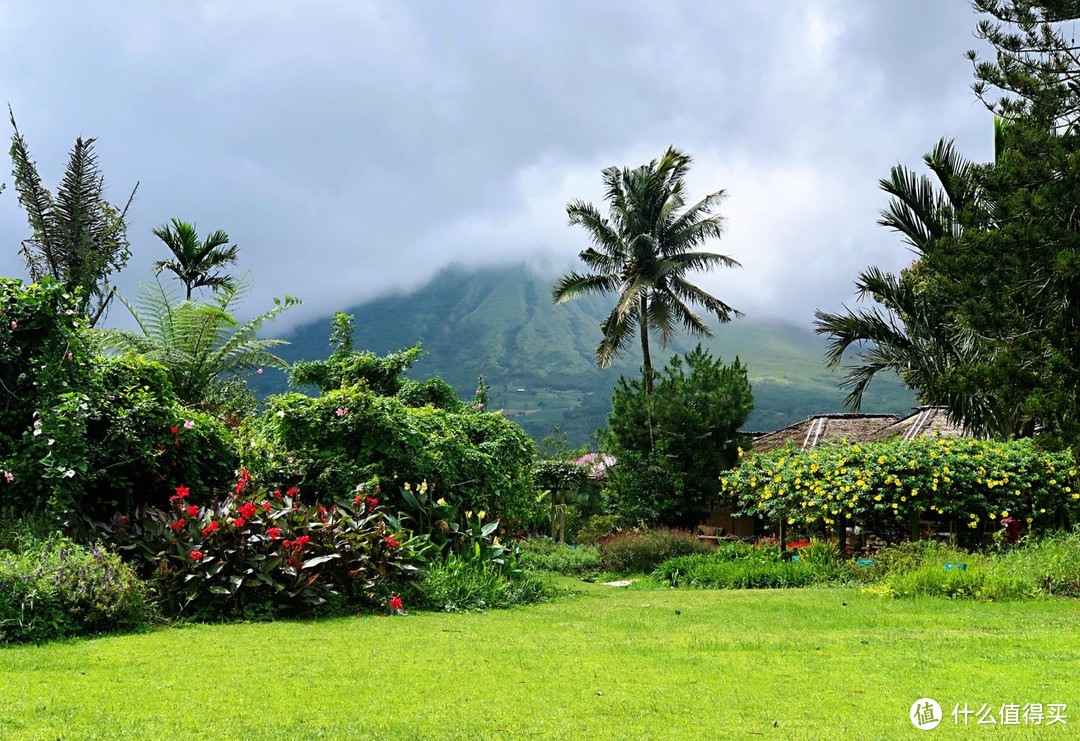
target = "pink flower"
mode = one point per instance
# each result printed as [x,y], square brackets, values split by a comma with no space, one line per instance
[189,424]
[259,371]
[340,412]
[14,324]
[9,476]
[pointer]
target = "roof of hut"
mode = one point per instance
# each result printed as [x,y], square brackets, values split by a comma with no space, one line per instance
[925,421]
[596,464]
[820,427]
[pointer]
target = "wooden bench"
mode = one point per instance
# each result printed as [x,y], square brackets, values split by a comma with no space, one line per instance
[707,533]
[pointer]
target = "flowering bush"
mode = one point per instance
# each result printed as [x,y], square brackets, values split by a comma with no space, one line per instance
[55,588]
[885,484]
[262,547]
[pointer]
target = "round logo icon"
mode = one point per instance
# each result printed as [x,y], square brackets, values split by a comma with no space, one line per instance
[925,714]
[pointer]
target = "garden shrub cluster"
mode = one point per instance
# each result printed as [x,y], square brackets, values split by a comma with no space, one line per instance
[884,485]
[86,435]
[328,443]
[57,588]
[544,554]
[739,565]
[635,552]
[460,583]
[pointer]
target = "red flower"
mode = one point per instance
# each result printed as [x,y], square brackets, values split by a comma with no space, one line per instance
[178,525]
[277,494]
[247,510]
[320,511]
[301,542]
[371,503]
[266,506]
[273,533]
[294,562]
[358,499]
[210,529]
[292,492]
[239,522]
[174,430]
[181,492]
[391,543]
[396,603]
[196,555]
[192,511]
[287,544]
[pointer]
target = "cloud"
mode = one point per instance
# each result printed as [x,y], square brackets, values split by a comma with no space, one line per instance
[356,148]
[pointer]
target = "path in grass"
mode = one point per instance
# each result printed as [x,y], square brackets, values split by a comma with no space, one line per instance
[610,663]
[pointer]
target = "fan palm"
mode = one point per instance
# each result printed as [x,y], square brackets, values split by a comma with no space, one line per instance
[643,252]
[197,342]
[196,262]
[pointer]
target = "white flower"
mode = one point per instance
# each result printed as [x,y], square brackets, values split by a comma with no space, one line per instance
[281,414]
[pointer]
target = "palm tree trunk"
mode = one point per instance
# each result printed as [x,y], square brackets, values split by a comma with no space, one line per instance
[646,365]
[646,360]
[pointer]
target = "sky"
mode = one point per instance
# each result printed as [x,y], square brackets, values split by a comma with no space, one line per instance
[354,148]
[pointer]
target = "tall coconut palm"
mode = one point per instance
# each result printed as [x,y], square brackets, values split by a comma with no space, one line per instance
[197,342]
[642,251]
[196,262]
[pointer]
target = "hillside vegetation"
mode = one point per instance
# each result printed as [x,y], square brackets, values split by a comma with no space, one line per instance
[538,357]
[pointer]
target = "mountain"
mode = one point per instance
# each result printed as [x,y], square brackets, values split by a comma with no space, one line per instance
[538,357]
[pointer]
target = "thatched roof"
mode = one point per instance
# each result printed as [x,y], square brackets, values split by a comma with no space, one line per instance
[923,422]
[820,427]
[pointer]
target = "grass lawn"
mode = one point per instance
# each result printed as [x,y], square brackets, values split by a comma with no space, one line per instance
[610,663]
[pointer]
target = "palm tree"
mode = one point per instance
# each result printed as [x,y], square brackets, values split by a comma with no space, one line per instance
[197,342]
[912,331]
[195,262]
[643,251]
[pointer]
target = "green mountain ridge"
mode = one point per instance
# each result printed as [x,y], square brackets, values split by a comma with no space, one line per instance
[538,357]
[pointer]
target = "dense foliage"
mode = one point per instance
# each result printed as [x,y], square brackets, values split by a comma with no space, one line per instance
[671,446]
[885,485]
[56,588]
[86,435]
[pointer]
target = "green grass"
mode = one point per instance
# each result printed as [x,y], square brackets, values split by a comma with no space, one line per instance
[794,664]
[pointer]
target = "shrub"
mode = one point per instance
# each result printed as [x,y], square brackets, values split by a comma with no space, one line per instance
[712,572]
[595,528]
[459,583]
[55,588]
[641,552]
[977,581]
[1051,563]
[478,461]
[543,554]
[263,552]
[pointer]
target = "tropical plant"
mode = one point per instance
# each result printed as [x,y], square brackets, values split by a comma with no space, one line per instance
[198,342]
[643,251]
[196,262]
[77,237]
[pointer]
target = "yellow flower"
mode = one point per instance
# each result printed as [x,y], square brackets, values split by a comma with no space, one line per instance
[877,498]
[480,514]
[468,514]
[495,541]
[881,459]
[423,487]
[441,502]
[791,521]
[1005,513]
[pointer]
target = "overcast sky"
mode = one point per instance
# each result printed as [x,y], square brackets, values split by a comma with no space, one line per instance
[355,148]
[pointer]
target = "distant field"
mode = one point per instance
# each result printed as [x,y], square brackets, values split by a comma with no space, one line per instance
[797,664]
